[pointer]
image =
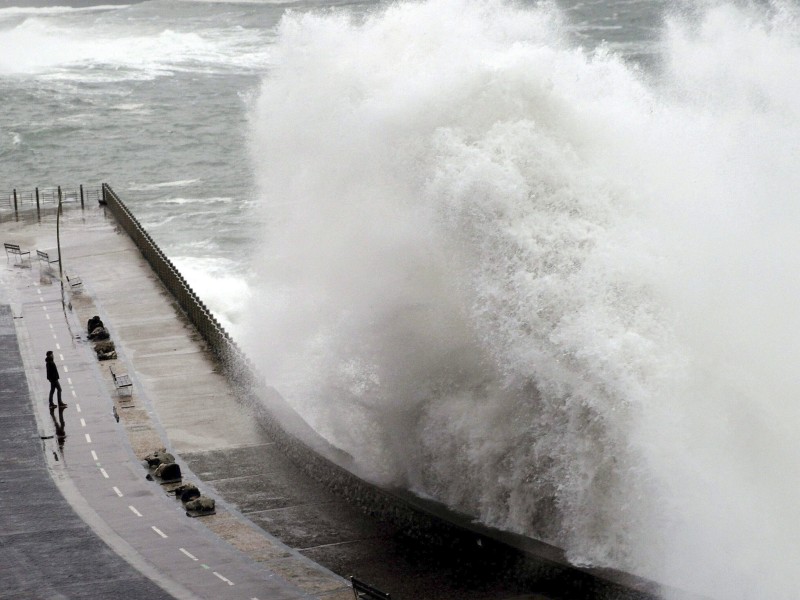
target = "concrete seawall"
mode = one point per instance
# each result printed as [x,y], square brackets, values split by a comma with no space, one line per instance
[196,394]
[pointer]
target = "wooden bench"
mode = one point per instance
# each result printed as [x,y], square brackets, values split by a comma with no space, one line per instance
[363,591]
[44,257]
[121,382]
[14,249]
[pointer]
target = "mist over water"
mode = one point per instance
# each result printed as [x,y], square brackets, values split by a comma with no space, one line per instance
[542,285]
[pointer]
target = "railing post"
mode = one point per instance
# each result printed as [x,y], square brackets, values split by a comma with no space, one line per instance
[37,200]
[81,186]
[15,200]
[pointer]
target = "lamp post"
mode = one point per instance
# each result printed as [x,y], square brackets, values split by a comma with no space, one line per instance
[58,243]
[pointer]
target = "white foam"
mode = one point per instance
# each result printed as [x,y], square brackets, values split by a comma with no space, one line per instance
[98,50]
[216,281]
[17,11]
[541,286]
[195,201]
[131,107]
[143,187]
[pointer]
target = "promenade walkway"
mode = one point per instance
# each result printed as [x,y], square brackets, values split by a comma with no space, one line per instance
[46,549]
[78,519]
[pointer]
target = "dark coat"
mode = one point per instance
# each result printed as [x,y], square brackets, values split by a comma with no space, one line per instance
[52,370]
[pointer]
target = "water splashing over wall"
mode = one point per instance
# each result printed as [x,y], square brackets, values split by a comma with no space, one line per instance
[540,285]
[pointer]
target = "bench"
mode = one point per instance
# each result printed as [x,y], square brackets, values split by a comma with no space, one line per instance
[74,282]
[363,591]
[16,251]
[121,382]
[44,257]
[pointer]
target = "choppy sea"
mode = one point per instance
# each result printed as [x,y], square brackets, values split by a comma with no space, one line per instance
[537,260]
[156,98]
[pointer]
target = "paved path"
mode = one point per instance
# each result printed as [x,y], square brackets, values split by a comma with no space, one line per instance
[48,551]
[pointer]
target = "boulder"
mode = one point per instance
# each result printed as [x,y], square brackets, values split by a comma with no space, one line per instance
[94,323]
[99,333]
[201,504]
[159,457]
[187,492]
[168,471]
[105,350]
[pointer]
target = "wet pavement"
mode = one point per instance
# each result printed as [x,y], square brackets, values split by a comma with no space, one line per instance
[46,549]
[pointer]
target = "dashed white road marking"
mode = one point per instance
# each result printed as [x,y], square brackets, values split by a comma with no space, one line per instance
[158,531]
[103,471]
[50,325]
[189,554]
[83,423]
[94,454]
[44,308]
[39,292]
[223,578]
[134,511]
[40,298]
[58,347]
[116,489]
[47,316]
[61,356]
[88,439]
[66,370]
[69,379]
[74,395]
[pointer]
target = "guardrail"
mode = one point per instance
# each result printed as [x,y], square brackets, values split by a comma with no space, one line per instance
[42,198]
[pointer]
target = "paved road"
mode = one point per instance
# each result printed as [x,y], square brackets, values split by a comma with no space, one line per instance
[78,518]
[46,549]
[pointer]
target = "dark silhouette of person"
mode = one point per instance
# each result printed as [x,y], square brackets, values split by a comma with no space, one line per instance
[52,377]
[61,429]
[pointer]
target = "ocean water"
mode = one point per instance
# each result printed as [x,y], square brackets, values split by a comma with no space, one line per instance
[534,260]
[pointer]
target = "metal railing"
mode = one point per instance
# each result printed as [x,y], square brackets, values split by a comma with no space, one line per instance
[42,198]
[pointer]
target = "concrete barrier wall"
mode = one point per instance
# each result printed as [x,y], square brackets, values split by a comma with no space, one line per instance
[233,359]
[525,559]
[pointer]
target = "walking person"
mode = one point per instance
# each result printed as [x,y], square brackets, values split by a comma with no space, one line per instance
[52,377]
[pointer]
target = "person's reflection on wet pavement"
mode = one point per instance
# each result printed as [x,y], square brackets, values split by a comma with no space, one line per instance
[61,431]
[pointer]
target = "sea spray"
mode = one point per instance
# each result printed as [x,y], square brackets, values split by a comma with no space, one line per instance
[540,285]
